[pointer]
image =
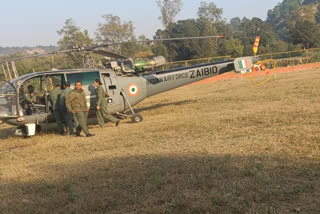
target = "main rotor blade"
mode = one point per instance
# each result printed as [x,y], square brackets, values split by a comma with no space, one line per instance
[108,54]
[169,39]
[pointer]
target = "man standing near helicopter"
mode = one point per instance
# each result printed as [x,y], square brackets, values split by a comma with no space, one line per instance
[67,115]
[76,103]
[30,98]
[102,112]
[55,102]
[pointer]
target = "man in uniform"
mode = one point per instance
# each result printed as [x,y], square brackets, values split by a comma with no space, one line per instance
[102,111]
[67,115]
[30,98]
[77,104]
[22,101]
[55,101]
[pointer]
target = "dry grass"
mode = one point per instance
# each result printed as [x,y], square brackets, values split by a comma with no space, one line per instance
[227,147]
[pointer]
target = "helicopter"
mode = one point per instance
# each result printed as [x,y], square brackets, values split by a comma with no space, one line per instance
[127,81]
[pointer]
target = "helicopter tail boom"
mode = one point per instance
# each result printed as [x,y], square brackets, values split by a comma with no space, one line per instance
[170,79]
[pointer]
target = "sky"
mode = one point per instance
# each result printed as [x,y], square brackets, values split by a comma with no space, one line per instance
[35,22]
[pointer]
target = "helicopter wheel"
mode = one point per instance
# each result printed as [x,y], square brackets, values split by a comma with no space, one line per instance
[136,118]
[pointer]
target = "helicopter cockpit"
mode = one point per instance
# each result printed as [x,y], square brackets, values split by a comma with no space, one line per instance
[13,102]
[8,100]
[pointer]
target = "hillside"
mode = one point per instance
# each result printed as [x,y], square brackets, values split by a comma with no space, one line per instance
[6,51]
[286,14]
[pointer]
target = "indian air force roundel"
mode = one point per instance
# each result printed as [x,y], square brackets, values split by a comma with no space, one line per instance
[133,90]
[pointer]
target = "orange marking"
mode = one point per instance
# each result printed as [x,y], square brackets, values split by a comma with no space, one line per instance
[232,75]
[263,67]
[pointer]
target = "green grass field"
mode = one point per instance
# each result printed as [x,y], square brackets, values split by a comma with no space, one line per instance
[225,147]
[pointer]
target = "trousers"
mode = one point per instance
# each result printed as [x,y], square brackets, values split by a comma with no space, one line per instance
[104,114]
[68,120]
[57,116]
[81,121]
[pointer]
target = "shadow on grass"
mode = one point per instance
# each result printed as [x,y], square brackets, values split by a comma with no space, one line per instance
[52,129]
[144,184]
[6,131]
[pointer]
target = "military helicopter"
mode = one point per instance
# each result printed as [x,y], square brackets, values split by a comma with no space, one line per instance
[128,81]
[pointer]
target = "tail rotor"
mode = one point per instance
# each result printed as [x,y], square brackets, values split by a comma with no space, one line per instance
[252,66]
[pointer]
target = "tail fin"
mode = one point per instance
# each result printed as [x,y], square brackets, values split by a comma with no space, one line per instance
[243,64]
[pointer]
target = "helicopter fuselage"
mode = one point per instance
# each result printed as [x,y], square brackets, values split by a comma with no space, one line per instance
[124,91]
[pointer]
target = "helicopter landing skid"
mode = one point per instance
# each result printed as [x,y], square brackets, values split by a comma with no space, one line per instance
[135,118]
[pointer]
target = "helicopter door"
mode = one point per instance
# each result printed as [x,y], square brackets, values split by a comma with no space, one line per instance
[110,83]
[51,82]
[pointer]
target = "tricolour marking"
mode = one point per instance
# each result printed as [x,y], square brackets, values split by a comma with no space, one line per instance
[133,90]
[244,63]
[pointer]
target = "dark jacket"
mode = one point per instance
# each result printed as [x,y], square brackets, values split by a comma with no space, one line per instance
[63,96]
[101,97]
[55,98]
[76,101]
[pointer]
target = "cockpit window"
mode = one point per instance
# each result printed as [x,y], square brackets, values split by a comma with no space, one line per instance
[8,101]
[34,89]
[36,82]
[86,78]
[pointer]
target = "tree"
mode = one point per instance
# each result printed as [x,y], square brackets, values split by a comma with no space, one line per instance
[317,15]
[305,33]
[160,49]
[189,49]
[280,19]
[306,2]
[210,12]
[235,23]
[113,30]
[72,36]
[233,47]
[169,10]
[137,49]
[250,28]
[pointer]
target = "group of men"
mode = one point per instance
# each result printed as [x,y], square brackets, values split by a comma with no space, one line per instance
[73,104]
[69,106]
[60,113]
